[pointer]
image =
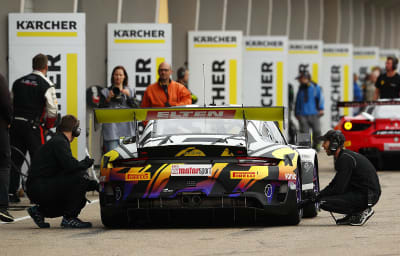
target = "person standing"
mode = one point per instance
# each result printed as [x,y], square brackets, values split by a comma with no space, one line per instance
[309,106]
[5,158]
[388,84]
[118,95]
[35,111]
[165,92]
[355,188]
[183,78]
[57,182]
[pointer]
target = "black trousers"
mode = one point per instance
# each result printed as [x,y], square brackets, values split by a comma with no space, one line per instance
[347,203]
[26,138]
[4,166]
[58,196]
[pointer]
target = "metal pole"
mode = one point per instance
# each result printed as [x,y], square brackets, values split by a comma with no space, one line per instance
[383,28]
[339,22]
[306,19]
[224,15]
[21,6]
[270,17]
[196,23]
[119,11]
[351,21]
[157,11]
[373,22]
[362,25]
[288,18]
[322,19]
[248,24]
[75,6]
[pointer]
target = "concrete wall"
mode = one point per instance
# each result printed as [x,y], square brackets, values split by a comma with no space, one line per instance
[336,18]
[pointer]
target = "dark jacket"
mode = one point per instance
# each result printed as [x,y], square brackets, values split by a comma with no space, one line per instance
[5,104]
[55,159]
[355,173]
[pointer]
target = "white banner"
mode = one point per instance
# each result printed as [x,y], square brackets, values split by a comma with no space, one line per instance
[140,48]
[365,58]
[61,36]
[265,71]
[304,56]
[220,53]
[384,53]
[337,82]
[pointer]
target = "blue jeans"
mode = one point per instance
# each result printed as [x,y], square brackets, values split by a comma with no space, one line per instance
[110,145]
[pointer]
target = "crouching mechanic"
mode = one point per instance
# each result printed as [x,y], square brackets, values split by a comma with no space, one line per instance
[57,182]
[355,187]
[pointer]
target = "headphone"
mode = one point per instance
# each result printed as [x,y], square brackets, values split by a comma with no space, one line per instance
[181,72]
[395,62]
[76,131]
[336,140]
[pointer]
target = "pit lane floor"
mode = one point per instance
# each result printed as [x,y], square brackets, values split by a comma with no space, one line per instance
[318,236]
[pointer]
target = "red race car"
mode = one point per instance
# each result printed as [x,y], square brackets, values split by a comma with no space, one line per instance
[375,132]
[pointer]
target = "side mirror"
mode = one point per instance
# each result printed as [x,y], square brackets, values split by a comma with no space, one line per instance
[303,139]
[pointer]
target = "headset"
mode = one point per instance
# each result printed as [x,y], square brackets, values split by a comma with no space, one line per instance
[76,131]
[336,140]
[181,72]
[395,62]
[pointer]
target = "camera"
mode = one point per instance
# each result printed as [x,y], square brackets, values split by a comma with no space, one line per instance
[117,94]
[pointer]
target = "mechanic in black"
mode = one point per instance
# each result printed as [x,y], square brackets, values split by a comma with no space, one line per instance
[355,187]
[57,182]
[388,84]
[5,159]
[35,111]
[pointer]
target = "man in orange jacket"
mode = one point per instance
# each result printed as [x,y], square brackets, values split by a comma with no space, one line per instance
[166,92]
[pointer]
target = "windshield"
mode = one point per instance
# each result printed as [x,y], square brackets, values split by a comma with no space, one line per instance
[388,111]
[198,126]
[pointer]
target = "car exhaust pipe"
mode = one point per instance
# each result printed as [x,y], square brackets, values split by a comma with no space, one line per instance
[185,200]
[196,200]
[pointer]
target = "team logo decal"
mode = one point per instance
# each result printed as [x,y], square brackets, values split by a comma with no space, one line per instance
[190,151]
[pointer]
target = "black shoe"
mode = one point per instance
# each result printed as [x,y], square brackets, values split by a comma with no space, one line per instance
[5,215]
[74,223]
[37,217]
[360,219]
[13,198]
[344,221]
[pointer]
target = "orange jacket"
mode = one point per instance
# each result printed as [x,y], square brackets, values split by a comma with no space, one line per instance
[155,97]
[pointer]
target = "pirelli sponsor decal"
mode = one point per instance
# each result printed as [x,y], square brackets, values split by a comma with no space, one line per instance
[243,175]
[137,176]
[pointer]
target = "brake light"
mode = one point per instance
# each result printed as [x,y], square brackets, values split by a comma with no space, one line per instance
[261,161]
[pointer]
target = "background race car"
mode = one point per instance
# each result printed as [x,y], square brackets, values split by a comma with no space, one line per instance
[220,165]
[375,132]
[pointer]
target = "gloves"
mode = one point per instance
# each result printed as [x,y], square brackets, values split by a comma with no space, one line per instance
[92,185]
[310,197]
[88,161]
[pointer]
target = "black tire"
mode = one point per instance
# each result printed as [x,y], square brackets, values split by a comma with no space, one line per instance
[311,211]
[112,218]
[295,216]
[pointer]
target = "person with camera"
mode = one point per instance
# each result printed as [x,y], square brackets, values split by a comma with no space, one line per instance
[57,182]
[166,92]
[35,111]
[354,190]
[118,95]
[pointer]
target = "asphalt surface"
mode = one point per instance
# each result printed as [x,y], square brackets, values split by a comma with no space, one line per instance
[317,236]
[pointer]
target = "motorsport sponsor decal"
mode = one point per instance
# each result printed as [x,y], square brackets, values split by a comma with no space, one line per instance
[191,170]
[137,176]
[243,175]
[186,114]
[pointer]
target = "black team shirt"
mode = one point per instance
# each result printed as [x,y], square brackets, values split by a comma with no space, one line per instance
[389,87]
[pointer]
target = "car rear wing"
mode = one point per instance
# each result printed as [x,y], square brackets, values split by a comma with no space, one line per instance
[112,115]
[350,104]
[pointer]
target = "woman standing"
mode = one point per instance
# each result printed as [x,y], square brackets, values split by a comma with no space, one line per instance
[118,95]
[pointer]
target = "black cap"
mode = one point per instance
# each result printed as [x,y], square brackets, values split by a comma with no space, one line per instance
[327,136]
[333,134]
[304,74]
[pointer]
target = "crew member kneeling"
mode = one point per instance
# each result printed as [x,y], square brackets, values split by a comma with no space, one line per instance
[355,187]
[57,182]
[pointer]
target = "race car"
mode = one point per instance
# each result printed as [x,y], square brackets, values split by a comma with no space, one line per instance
[375,132]
[221,164]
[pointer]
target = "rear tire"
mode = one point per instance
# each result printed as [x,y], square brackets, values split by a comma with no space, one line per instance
[294,217]
[311,211]
[112,218]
